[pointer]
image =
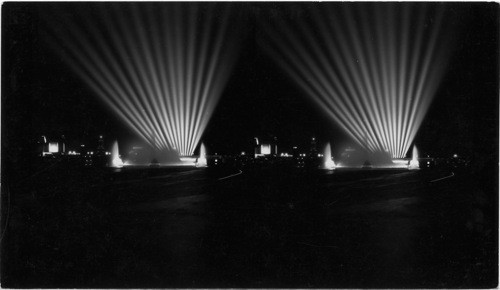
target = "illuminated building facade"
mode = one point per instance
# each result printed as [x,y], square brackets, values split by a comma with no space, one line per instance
[266,149]
[52,147]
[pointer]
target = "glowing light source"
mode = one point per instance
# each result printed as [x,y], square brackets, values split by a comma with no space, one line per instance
[53,147]
[373,69]
[161,67]
[400,162]
[265,149]
[189,160]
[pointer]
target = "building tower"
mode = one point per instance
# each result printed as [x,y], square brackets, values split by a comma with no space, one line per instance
[314,149]
[100,146]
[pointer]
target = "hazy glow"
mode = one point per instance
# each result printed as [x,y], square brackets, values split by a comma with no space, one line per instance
[188,160]
[373,69]
[160,67]
[401,162]
[117,162]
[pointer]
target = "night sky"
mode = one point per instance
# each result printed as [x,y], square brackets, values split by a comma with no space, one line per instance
[42,96]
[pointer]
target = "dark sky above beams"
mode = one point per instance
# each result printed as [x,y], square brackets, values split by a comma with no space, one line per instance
[42,96]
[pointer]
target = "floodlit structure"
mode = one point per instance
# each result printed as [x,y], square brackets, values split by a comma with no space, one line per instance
[262,149]
[160,67]
[53,147]
[372,68]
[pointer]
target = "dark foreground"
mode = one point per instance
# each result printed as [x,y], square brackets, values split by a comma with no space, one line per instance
[266,227]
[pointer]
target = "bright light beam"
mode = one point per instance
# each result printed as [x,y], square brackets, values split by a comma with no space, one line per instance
[160,67]
[374,75]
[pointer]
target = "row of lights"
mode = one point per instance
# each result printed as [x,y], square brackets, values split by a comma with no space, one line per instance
[90,153]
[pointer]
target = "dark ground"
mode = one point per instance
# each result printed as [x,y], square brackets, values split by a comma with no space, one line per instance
[270,226]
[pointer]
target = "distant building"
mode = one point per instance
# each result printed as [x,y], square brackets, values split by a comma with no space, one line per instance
[100,146]
[266,149]
[314,147]
[63,144]
[52,147]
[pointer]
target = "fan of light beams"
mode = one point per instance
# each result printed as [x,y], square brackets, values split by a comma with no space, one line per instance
[373,68]
[161,67]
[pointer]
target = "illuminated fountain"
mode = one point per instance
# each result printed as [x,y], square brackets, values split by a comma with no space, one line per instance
[116,161]
[372,68]
[202,159]
[328,162]
[414,164]
[161,67]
